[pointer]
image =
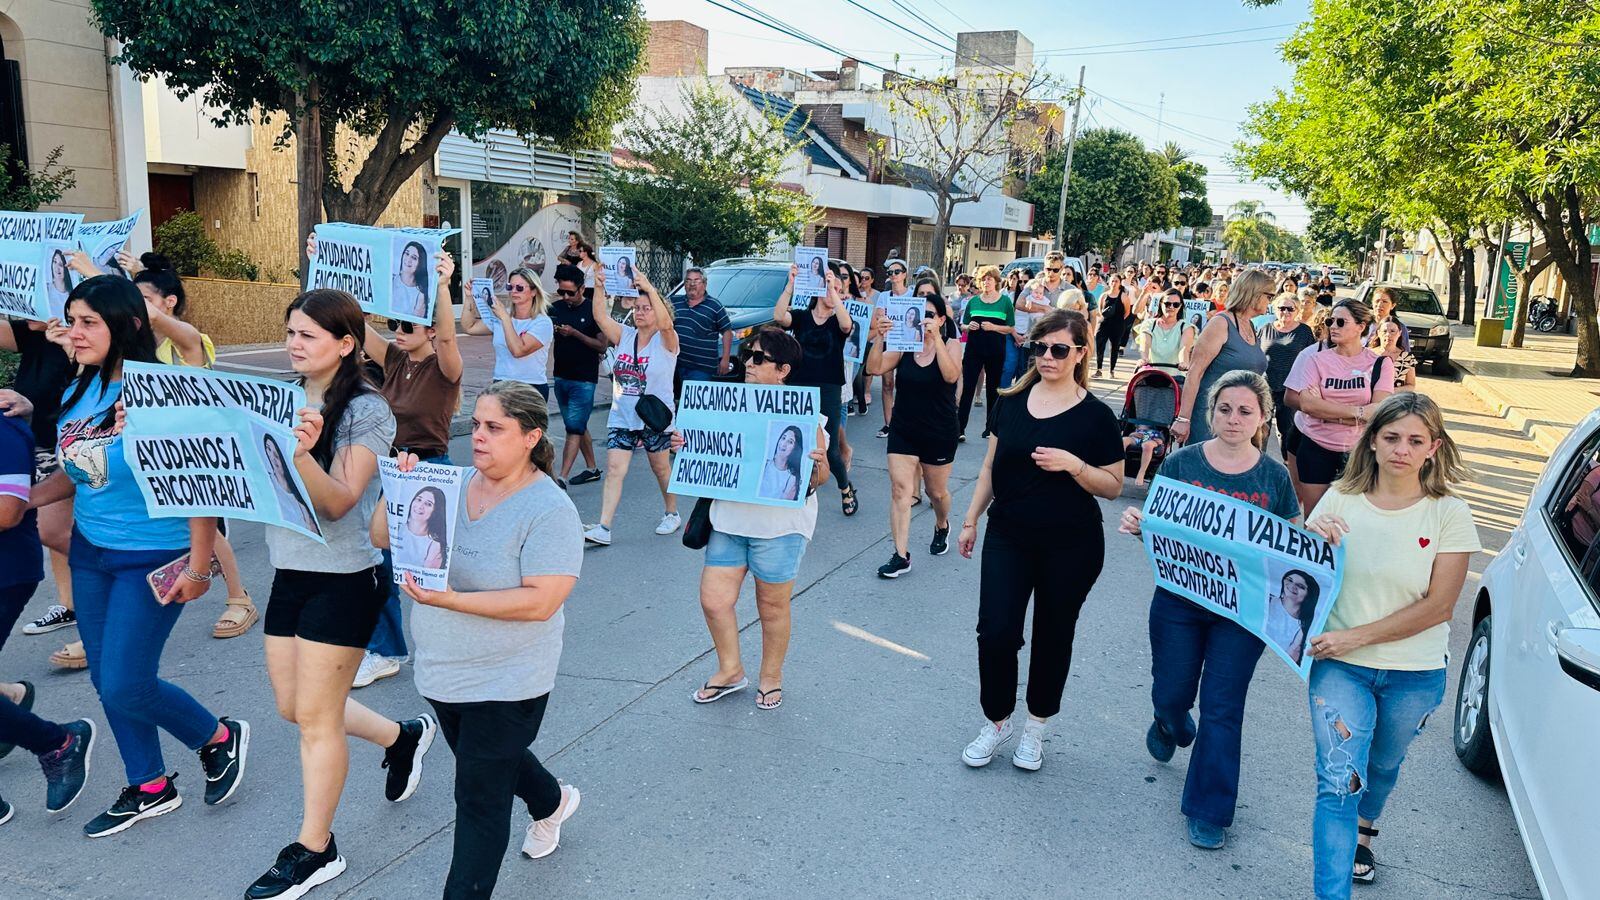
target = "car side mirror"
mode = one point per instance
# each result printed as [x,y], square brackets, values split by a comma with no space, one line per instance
[1579,652]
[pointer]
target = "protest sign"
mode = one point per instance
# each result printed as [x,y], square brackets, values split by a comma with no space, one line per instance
[208,443]
[811,275]
[483,297]
[855,346]
[619,263]
[103,240]
[746,442]
[421,505]
[390,271]
[905,324]
[34,279]
[1196,312]
[1243,563]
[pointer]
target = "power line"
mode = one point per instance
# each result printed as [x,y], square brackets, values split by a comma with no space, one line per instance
[954,13]
[877,15]
[783,28]
[915,14]
[1078,52]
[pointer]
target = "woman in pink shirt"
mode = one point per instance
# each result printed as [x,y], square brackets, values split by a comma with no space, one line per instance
[1334,385]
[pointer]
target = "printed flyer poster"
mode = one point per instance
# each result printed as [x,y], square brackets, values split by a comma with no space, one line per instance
[208,443]
[390,271]
[1197,312]
[905,324]
[421,505]
[811,276]
[746,442]
[855,344]
[619,263]
[483,297]
[34,279]
[1243,563]
[102,241]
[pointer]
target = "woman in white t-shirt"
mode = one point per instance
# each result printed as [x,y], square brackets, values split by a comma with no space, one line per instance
[642,369]
[1379,667]
[522,331]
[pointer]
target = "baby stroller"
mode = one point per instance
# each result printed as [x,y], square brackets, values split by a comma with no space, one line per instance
[1154,393]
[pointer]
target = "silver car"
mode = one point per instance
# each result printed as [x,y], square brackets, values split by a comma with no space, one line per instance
[1418,308]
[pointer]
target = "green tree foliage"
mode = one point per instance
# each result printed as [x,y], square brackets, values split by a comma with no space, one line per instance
[1194,209]
[1333,237]
[1449,115]
[706,181]
[25,190]
[401,72]
[182,239]
[1119,191]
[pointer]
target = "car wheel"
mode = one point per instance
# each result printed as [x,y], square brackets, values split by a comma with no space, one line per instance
[1474,743]
[1441,366]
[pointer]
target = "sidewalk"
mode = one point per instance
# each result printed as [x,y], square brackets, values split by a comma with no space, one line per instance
[477,352]
[1528,387]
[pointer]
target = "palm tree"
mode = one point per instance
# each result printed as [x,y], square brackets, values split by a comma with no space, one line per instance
[1251,211]
[1174,154]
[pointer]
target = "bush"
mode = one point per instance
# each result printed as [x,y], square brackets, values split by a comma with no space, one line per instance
[235,264]
[182,239]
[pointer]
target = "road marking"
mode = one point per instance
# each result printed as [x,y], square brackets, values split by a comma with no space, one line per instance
[873,639]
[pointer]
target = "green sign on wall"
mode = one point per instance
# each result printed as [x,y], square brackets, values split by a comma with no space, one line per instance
[1515,257]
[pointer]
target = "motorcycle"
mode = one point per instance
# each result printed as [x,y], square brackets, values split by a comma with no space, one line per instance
[1542,314]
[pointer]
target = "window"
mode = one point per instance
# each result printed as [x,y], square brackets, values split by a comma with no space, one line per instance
[991,239]
[1574,510]
[834,239]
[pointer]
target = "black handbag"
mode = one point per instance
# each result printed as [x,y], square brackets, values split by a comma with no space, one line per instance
[655,414]
[697,531]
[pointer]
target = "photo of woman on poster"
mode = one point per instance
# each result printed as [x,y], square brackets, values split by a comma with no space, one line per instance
[410,290]
[817,270]
[291,505]
[423,541]
[780,474]
[625,270]
[1291,612]
[58,287]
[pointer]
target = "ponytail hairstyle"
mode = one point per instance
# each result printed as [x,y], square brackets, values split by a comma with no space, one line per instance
[525,404]
[1256,384]
[159,274]
[1075,325]
[120,305]
[337,313]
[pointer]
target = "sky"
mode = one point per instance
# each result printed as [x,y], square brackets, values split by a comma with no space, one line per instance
[1183,70]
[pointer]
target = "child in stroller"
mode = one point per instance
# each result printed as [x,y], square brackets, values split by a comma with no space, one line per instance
[1148,438]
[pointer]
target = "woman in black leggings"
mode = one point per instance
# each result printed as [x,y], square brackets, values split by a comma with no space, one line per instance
[990,322]
[1114,311]
[1055,449]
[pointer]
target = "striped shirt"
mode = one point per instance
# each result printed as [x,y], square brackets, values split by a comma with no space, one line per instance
[700,329]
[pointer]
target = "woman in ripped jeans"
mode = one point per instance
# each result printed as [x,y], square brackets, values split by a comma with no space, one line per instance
[1380,665]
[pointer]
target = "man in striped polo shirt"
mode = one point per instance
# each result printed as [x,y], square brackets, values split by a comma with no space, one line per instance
[705,333]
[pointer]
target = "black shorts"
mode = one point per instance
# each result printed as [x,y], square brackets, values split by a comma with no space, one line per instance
[1316,463]
[338,608]
[930,451]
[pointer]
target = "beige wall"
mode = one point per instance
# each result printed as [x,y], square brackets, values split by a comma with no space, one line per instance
[238,312]
[66,99]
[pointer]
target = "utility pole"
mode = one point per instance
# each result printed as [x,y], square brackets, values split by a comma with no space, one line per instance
[1066,170]
[1161,110]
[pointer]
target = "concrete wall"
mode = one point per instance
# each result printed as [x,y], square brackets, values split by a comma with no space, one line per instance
[66,97]
[855,225]
[238,312]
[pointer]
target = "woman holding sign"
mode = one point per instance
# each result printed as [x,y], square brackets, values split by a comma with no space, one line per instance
[132,573]
[641,400]
[822,329]
[1055,449]
[489,645]
[1379,668]
[922,436]
[522,331]
[327,595]
[1195,652]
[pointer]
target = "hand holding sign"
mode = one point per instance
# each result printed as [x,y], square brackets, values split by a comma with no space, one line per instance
[1132,518]
[1332,644]
[417,592]
[1331,528]
[308,431]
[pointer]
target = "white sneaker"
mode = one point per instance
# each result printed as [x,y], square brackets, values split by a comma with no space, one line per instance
[981,750]
[1030,747]
[374,667]
[598,534]
[544,836]
[668,524]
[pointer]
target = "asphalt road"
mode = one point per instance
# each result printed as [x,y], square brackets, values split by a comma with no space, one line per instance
[852,789]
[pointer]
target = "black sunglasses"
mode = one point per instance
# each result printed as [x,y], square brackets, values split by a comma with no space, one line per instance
[755,356]
[897,271]
[1168,304]
[1056,351]
[565,293]
[1052,268]
[402,327]
[1285,309]
[517,288]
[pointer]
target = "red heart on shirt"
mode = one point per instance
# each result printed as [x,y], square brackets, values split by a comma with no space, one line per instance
[1423,542]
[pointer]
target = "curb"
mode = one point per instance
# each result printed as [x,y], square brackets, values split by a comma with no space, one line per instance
[1544,434]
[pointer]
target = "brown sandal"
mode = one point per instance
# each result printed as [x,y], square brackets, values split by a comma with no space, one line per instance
[236,619]
[70,657]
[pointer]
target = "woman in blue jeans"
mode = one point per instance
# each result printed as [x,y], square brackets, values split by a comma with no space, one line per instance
[1380,665]
[1195,652]
[116,545]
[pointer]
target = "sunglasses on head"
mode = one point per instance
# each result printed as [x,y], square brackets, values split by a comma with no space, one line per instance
[402,327]
[1056,351]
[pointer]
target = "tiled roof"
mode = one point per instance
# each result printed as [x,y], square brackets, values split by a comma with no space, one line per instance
[797,127]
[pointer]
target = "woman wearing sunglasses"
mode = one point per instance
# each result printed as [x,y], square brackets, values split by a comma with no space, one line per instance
[522,331]
[1055,450]
[822,329]
[1334,386]
[922,440]
[1282,339]
[1167,341]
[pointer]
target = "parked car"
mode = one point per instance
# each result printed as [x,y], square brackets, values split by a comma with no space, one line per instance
[1418,308]
[1339,277]
[748,287]
[1528,707]
[1035,264]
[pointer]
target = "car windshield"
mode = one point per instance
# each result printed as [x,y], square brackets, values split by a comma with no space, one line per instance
[1414,300]
[740,287]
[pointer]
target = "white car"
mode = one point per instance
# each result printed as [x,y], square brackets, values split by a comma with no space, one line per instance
[1528,708]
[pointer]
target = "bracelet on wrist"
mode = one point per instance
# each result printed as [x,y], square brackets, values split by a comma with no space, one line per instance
[194,576]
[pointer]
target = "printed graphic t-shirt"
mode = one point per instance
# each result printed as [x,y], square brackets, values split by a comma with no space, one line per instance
[1389,558]
[19,545]
[108,508]
[1340,379]
[639,370]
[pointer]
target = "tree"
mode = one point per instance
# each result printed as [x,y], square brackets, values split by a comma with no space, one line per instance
[1119,191]
[1335,236]
[24,190]
[956,140]
[705,181]
[400,73]
[1194,210]
[1248,229]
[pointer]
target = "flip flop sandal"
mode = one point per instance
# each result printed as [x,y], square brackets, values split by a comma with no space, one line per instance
[70,657]
[1364,857]
[848,499]
[718,691]
[236,619]
[761,704]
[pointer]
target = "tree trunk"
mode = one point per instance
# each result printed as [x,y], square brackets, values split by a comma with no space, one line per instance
[1453,308]
[309,160]
[386,168]
[1469,285]
[1560,219]
[1524,278]
[941,236]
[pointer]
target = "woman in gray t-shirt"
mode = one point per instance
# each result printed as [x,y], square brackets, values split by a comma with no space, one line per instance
[488,647]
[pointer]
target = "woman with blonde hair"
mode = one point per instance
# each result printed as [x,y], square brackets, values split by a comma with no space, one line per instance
[521,329]
[1379,667]
[1226,343]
